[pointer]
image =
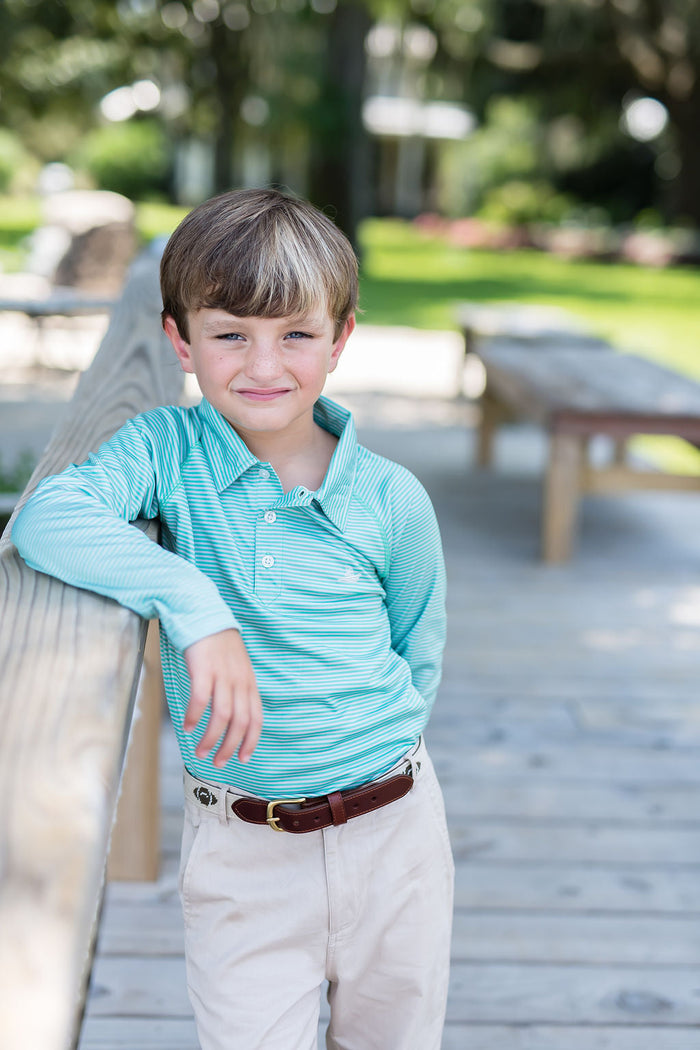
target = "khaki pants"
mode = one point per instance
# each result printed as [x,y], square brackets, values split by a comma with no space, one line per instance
[270,917]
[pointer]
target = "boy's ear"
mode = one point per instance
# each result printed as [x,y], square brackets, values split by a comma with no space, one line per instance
[340,342]
[180,345]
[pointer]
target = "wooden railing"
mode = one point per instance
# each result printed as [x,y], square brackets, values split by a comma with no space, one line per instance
[70,669]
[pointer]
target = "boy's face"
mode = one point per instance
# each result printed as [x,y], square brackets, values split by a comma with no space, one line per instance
[263,374]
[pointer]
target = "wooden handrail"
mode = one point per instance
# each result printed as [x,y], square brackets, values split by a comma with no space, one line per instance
[70,664]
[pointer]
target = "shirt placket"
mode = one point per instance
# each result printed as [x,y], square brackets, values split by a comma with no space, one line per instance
[269,539]
[268,543]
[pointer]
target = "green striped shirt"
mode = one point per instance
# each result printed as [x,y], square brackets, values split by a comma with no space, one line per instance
[339,594]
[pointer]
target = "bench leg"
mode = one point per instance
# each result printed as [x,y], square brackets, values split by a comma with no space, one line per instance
[619,457]
[490,419]
[135,845]
[562,490]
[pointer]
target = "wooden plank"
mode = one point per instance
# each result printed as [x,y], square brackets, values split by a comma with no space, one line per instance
[573,887]
[138,986]
[593,843]
[135,1033]
[632,940]
[531,323]
[154,927]
[479,992]
[574,995]
[149,893]
[626,479]
[59,302]
[639,805]
[551,761]
[601,721]
[141,1033]
[70,664]
[564,379]
[623,425]
[560,1037]
[640,720]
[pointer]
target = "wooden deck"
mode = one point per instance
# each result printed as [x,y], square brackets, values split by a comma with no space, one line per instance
[567,739]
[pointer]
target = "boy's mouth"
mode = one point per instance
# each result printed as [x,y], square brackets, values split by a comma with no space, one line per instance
[268,394]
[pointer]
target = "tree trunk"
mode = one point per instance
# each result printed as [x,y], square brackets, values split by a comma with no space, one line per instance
[685,120]
[339,169]
[229,78]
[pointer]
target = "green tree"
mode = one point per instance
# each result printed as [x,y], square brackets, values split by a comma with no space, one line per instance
[582,59]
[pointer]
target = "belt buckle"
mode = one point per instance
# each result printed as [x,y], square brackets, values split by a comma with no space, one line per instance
[274,821]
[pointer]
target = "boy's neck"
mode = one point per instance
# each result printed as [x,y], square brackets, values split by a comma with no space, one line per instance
[298,458]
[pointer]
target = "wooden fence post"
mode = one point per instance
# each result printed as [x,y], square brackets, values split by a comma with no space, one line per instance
[70,664]
[135,845]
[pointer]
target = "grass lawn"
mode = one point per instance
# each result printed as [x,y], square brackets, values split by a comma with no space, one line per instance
[413,278]
[416,279]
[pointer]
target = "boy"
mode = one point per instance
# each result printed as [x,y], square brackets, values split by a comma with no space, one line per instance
[302,569]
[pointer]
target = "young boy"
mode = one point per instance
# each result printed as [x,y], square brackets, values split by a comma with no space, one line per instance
[300,587]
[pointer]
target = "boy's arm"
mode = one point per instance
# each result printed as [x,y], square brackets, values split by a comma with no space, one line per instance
[76,527]
[415,594]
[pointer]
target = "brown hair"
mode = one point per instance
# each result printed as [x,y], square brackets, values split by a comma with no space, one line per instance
[258,253]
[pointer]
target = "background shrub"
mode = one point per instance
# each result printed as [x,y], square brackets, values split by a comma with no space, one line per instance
[133,158]
[18,169]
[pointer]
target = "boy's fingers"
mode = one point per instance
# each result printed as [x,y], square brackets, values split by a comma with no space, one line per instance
[200,695]
[219,717]
[235,733]
[252,735]
[230,715]
[247,740]
[244,729]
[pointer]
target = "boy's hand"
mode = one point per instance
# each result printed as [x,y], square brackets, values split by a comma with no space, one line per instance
[221,672]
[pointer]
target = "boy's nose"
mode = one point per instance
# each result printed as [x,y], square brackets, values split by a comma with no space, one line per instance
[264,362]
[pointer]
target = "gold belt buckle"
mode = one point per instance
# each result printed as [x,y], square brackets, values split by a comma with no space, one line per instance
[274,821]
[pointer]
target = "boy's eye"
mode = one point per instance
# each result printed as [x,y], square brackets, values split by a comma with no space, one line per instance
[229,336]
[299,335]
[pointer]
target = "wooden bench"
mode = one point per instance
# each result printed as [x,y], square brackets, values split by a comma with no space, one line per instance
[531,322]
[577,391]
[71,670]
[59,302]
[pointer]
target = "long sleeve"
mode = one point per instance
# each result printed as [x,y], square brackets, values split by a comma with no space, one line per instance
[76,526]
[415,594]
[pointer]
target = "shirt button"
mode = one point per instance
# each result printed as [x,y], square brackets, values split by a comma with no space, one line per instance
[268,561]
[264,474]
[270,516]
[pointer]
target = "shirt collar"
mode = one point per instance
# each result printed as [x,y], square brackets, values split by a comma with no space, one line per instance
[227,452]
[230,457]
[335,492]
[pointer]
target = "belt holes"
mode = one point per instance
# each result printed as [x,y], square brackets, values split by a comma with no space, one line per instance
[316,820]
[295,823]
[374,798]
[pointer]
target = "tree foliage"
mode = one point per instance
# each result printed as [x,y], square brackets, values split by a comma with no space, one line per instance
[285,79]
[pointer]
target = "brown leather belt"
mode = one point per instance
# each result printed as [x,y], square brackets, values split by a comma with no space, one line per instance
[299,815]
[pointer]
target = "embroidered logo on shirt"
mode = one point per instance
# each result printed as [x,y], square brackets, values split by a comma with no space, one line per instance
[349,576]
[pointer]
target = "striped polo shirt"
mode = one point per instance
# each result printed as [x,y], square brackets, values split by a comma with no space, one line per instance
[339,594]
